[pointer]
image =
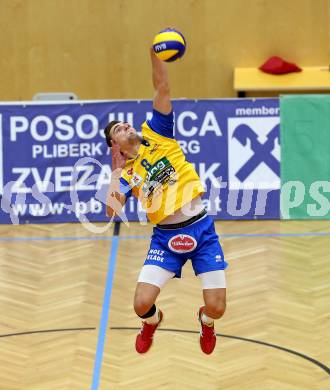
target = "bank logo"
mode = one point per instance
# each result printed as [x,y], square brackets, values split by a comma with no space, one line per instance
[254,153]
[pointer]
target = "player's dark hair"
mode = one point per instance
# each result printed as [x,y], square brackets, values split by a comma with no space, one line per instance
[107,132]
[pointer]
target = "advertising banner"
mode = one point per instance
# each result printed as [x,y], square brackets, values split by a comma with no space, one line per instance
[305,166]
[55,165]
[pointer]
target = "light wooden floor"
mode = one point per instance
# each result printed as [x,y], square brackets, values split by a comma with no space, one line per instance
[278,293]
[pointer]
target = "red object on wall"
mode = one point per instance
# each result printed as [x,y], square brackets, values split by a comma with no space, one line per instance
[276,65]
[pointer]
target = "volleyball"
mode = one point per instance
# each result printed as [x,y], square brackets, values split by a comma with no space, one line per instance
[169,45]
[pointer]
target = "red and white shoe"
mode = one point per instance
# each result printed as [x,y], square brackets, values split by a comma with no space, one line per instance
[144,338]
[207,338]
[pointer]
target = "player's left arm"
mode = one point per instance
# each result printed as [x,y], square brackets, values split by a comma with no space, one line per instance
[162,121]
[162,100]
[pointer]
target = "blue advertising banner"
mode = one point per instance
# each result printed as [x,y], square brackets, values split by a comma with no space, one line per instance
[55,165]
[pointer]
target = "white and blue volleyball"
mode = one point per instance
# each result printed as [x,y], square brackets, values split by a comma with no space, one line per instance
[169,45]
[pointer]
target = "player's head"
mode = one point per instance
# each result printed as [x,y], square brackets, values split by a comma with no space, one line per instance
[121,133]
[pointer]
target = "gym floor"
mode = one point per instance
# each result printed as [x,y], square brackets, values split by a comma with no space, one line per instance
[53,304]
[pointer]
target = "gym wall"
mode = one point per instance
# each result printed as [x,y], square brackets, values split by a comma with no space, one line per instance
[99,49]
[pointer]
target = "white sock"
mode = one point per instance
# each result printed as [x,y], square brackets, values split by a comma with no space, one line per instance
[207,320]
[153,319]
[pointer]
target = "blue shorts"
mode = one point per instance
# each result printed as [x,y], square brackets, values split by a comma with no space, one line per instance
[198,242]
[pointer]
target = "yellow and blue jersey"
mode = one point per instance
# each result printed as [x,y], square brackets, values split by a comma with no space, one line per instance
[160,176]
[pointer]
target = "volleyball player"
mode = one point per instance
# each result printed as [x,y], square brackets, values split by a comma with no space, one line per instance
[153,168]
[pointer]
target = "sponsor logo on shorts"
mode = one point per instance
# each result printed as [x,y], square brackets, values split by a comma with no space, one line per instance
[182,243]
[218,259]
[155,255]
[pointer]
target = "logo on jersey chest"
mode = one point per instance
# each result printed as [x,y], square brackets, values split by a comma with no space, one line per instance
[182,243]
[158,175]
[153,169]
[153,149]
[136,180]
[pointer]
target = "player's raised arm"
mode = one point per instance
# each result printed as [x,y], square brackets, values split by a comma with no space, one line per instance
[160,79]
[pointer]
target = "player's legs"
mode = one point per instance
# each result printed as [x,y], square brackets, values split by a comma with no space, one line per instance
[215,303]
[214,294]
[145,297]
[151,280]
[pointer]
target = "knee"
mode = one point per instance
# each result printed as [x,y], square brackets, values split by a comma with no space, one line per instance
[216,308]
[142,305]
